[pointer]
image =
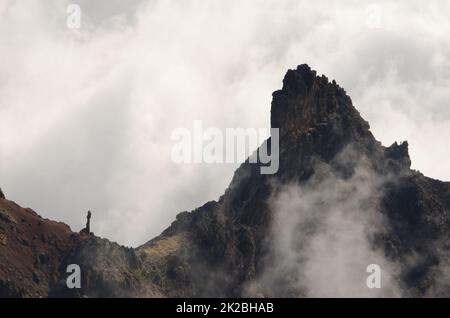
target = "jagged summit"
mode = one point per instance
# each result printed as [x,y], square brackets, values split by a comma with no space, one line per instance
[317,117]
[308,103]
[302,79]
[306,98]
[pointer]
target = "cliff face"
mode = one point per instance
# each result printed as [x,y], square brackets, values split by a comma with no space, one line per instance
[31,251]
[339,202]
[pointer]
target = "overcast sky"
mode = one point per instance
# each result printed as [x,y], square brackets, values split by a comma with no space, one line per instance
[86,114]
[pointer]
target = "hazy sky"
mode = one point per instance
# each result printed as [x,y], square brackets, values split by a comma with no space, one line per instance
[86,114]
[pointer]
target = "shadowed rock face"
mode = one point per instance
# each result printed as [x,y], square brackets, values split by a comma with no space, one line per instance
[231,247]
[31,251]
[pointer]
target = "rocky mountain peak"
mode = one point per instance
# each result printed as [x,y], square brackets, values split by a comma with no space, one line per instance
[317,118]
[308,103]
[331,169]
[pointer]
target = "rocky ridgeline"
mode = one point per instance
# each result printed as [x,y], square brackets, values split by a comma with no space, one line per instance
[229,247]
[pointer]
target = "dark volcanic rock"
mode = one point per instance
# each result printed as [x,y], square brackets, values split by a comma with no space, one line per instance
[28,262]
[320,131]
[231,247]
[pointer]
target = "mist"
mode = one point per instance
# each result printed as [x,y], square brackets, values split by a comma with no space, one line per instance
[324,236]
[87,114]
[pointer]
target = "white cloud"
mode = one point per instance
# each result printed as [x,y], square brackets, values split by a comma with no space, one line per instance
[324,233]
[86,115]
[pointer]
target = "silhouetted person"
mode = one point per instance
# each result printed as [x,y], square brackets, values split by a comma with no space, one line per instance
[88,223]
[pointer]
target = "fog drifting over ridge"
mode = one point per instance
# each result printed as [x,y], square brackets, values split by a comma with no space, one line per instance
[324,233]
[86,115]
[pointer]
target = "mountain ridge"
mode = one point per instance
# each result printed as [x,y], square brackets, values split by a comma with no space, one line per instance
[233,247]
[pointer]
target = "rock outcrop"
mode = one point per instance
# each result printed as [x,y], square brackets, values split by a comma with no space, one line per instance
[234,246]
